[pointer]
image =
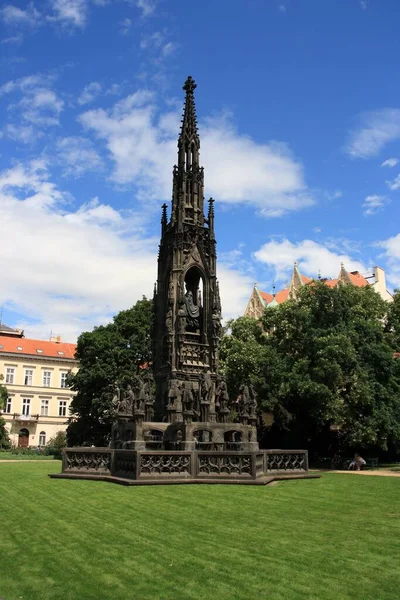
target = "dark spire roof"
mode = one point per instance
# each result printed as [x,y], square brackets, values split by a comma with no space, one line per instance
[189,130]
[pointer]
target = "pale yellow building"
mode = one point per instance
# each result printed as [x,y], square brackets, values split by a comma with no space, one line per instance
[34,373]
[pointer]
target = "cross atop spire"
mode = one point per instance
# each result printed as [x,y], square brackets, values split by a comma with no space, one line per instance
[190,85]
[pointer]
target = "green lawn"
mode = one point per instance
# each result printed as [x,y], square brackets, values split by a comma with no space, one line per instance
[336,538]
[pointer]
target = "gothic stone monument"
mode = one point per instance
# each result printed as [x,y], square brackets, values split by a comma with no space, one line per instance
[189,430]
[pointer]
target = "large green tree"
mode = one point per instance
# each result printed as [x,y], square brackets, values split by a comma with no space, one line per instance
[323,367]
[4,439]
[107,354]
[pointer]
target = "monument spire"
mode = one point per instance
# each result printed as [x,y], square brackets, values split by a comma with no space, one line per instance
[188,176]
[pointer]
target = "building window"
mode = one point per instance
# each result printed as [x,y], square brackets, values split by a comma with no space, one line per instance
[28,377]
[46,378]
[63,380]
[10,373]
[44,408]
[26,406]
[42,438]
[8,406]
[62,408]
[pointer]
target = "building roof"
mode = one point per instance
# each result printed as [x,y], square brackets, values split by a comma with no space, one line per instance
[266,297]
[282,296]
[6,330]
[52,349]
[357,279]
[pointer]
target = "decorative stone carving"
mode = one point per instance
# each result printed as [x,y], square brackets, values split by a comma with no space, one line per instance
[164,464]
[88,461]
[216,464]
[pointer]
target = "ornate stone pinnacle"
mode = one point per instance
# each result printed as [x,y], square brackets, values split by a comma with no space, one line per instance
[190,85]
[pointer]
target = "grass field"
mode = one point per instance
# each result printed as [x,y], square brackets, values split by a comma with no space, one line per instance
[336,538]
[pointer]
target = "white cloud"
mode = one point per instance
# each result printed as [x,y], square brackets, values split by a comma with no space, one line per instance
[146,6]
[390,162]
[77,155]
[39,104]
[394,184]
[74,268]
[310,256]
[373,204]
[125,25]
[238,170]
[13,39]
[89,93]
[377,129]
[392,256]
[282,8]
[69,13]
[23,133]
[15,16]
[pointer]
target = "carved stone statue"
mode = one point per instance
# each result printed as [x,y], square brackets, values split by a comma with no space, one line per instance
[243,400]
[187,395]
[116,400]
[174,392]
[216,324]
[221,395]
[168,321]
[128,401]
[182,320]
[205,387]
[252,409]
[192,311]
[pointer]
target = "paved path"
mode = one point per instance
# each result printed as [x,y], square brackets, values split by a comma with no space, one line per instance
[379,473]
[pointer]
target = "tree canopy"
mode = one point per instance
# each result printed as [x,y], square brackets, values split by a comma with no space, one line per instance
[4,439]
[323,366]
[107,354]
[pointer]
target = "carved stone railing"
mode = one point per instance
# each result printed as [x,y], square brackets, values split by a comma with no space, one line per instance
[164,464]
[88,460]
[125,462]
[286,461]
[168,465]
[225,464]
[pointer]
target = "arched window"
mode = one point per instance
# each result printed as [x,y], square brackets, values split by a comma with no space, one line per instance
[42,438]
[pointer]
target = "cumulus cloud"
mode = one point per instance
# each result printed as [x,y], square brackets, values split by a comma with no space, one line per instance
[147,7]
[15,16]
[394,184]
[39,104]
[77,155]
[142,146]
[125,25]
[69,13]
[89,93]
[310,256]
[377,129]
[373,204]
[391,255]
[75,267]
[390,162]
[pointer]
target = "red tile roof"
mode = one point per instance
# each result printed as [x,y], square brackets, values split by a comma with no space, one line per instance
[28,346]
[266,297]
[282,296]
[306,279]
[357,279]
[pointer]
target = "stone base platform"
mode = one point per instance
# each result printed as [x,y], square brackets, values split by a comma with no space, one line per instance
[147,467]
[129,482]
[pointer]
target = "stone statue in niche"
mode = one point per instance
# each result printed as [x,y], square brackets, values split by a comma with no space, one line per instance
[128,401]
[192,311]
[149,397]
[171,292]
[243,400]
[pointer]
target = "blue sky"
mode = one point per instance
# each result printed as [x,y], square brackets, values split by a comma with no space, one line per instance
[299,116]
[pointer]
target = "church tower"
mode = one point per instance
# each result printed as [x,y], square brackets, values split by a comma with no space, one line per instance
[187,307]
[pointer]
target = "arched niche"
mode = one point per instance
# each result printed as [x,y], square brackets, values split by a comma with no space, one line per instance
[194,299]
[233,439]
[203,438]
